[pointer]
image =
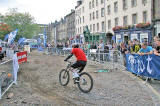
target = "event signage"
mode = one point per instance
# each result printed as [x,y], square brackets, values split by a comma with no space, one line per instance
[22,57]
[147,65]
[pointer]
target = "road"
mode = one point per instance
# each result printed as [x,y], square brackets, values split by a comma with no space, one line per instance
[38,85]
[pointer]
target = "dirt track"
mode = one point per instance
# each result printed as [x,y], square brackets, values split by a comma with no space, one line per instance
[38,85]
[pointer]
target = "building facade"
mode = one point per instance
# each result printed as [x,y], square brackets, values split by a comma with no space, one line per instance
[125,13]
[103,16]
[70,20]
[90,13]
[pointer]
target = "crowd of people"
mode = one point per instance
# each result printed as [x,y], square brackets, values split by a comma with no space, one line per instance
[132,47]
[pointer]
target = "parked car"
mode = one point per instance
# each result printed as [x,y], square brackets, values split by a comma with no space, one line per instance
[3,47]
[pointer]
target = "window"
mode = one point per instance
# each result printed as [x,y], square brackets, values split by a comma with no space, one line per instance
[80,20]
[97,14]
[134,19]
[116,21]
[102,12]
[103,27]
[90,15]
[134,3]
[83,9]
[80,29]
[125,20]
[124,4]
[109,24]
[83,19]
[102,1]
[83,28]
[90,5]
[144,2]
[115,6]
[96,2]
[93,27]
[145,16]
[109,9]
[97,27]
[93,16]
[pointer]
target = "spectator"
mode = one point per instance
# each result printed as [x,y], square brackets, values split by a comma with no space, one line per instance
[106,51]
[130,47]
[145,50]
[115,52]
[94,46]
[88,49]
[123,51]
[157,49]
[101,49]
[136,46]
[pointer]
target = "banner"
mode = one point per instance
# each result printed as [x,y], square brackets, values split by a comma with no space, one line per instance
[12,36]
[22,57]
[6,37]
[147,65]
[44,38]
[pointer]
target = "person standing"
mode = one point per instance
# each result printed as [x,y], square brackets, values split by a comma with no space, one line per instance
[106,51]
[145,50]
[157,48]
[101,50]
[123,51]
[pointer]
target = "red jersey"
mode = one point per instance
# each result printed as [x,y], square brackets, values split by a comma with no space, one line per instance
[80,55]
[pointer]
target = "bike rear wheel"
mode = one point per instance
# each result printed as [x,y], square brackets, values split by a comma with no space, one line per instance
[85,82]
[64,77]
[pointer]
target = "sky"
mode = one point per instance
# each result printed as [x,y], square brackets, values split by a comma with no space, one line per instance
[44,11]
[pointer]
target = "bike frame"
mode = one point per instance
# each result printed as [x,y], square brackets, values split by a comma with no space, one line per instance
[69,68]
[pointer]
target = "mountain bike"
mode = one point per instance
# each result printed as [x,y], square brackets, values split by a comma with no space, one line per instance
[85,81]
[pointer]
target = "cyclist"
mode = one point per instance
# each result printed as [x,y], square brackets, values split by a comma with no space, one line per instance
[81,60]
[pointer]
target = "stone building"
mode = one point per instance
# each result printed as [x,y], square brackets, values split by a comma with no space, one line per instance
[90,13]
[119,19]
[70,20]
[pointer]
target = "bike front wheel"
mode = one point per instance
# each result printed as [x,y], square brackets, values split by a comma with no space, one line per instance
[64,77]
[85,82]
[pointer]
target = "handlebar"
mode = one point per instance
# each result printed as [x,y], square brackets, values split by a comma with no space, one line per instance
[69,62]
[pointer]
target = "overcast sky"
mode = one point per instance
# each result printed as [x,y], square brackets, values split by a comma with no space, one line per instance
[44,11]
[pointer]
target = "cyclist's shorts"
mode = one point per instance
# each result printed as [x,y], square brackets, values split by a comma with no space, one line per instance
[79,64]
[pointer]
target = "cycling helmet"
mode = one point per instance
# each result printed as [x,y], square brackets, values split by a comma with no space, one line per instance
[75,45]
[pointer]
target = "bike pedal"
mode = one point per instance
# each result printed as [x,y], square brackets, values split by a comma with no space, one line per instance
[76,80]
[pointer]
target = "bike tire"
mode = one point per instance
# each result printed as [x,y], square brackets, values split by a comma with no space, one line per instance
[61,75]
[91,80]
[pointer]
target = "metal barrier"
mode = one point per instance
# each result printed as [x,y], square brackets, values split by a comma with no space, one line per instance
[60,52]
[6,76]
[112,60]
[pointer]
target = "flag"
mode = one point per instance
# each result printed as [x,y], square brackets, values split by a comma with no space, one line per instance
[6,37]
[21,40]
[44,37]
[39,41]
[12,36]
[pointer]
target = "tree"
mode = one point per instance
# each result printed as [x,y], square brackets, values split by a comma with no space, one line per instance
[4,29]
[24,22]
